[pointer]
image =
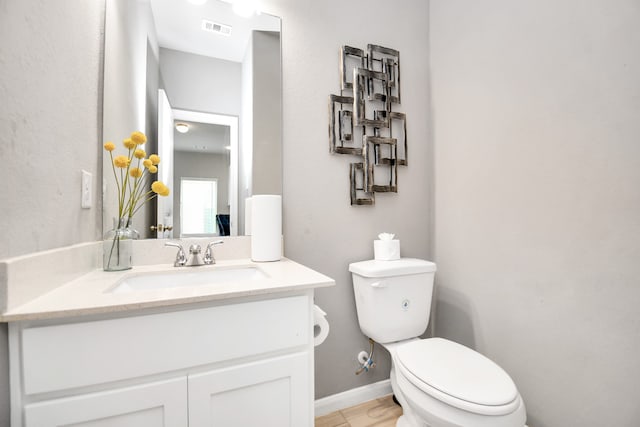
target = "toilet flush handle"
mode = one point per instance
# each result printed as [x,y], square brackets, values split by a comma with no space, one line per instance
[380,284]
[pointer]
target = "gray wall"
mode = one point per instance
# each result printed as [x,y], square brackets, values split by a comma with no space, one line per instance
[536,204]
[267,114]
[537,207]
[131,80]
[49,132]
[199,83]
[200,165]
[50,129]
[321,229]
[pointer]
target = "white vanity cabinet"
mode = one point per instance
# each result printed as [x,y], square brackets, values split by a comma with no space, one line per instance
[236,363]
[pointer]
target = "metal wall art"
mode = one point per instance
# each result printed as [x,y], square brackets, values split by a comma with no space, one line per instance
[362,123]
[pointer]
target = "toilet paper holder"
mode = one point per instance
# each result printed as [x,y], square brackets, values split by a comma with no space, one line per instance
[320,326]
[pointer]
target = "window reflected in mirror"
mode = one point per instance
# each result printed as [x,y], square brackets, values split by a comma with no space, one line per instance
[198,207]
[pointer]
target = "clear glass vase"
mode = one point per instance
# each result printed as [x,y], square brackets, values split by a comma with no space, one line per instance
[117,249]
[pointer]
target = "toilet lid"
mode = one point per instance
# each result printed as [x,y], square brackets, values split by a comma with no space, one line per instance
[456,371]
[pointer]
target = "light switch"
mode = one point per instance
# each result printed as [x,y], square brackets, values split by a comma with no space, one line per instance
[86,190]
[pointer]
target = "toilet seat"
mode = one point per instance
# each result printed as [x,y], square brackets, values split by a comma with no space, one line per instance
[458,376]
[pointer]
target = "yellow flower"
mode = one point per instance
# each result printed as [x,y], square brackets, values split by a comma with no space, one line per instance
[129,143]
[131,183]
[156,186]
[159,188]
[121,161]
[138,137]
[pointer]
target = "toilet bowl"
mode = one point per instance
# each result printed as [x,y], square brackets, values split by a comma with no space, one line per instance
[444,383]
[438,382]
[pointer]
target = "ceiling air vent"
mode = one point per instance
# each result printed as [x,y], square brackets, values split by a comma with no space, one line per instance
[214,27]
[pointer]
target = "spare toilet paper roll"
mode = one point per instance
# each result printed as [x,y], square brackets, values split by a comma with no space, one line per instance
[386,250]
[247,216]
[266,228]
[320,326]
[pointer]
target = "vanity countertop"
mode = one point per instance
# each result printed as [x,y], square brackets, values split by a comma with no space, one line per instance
[90,293]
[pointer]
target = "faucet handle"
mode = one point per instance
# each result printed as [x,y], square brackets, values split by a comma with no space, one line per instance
[208,254]
[181,258]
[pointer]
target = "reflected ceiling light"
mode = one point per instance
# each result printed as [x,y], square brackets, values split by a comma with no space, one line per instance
[244,8]
[182,127]
[227,147]
[197,2]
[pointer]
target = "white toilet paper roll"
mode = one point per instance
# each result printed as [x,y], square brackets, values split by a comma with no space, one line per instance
[386,250]
[320,326]
[266,228]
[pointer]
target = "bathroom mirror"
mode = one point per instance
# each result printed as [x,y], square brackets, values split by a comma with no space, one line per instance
[172,66]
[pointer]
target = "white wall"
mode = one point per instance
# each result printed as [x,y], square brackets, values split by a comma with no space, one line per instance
[50,129]
[537,205]
[245,133]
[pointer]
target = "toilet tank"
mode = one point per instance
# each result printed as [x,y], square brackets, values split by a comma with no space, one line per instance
[393,298]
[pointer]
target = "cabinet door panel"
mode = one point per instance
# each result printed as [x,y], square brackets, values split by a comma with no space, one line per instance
[275,392]
[159,404]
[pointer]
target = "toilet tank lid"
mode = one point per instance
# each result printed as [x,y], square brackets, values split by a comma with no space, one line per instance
[399,267]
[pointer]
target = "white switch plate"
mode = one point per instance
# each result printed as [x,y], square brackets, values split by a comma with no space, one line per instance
[86,190]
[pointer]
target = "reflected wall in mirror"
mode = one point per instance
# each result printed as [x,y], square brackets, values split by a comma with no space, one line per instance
[170,62]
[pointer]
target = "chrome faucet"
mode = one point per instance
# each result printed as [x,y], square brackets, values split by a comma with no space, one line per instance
[195,255]
[208,254]
[181,258]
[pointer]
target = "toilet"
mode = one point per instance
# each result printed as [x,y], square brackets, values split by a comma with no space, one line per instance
[438,382]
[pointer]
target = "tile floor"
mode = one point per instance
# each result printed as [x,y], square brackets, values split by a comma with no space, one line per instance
[382,412]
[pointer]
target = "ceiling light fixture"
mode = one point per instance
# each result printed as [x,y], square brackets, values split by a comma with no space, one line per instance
[182,127]
[244,8]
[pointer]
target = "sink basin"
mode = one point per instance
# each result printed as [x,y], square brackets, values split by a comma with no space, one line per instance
[187,278]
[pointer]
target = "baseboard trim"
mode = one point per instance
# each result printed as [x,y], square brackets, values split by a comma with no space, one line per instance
[352,397]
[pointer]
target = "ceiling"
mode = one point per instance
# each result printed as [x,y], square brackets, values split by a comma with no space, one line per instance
[202,138]
[179,22]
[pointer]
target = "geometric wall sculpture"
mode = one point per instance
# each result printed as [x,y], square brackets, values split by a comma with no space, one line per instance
[362,121]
